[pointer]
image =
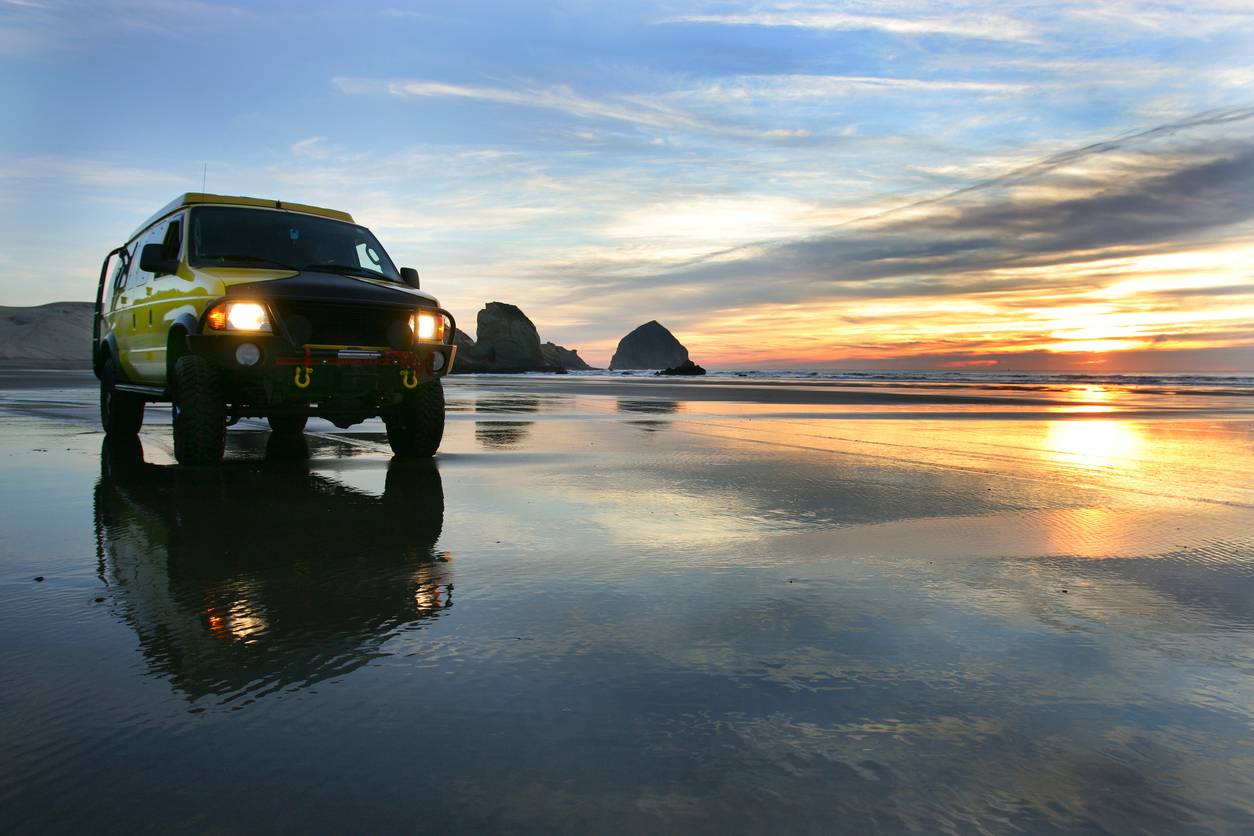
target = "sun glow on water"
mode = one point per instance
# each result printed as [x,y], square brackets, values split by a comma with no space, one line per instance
[1098,443]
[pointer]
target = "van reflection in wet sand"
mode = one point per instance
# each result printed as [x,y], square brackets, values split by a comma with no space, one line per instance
[262,577]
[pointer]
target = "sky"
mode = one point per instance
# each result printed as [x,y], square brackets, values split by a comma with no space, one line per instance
[897,184]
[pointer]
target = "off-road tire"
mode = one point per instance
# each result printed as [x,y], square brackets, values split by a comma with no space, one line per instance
[415,429]
[287,423]
[199,413]
[121,413]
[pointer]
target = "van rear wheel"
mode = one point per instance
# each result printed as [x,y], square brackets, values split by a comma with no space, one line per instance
[199,413]
[416,428]
[121,413]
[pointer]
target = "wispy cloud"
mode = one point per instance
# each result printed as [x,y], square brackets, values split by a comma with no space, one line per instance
[1029,267]
[987,26]
[33,27]
[83,171]
[635,110]
[561,98]
[313,147]
[1072,156]
[796,87]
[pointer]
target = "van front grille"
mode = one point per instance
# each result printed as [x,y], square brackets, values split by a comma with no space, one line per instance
[322,323]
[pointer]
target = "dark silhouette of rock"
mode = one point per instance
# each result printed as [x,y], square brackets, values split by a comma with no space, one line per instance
[507,340]
[563,359]
[463,341]
[650,346]
[685,368]
[509,343]
[466,362]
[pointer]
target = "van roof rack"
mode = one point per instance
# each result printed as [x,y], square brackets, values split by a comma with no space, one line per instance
[203,199]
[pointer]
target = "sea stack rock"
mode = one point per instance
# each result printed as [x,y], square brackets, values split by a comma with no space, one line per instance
[507,340]
[650,346]
[562,358]
[685,368]
[466,361]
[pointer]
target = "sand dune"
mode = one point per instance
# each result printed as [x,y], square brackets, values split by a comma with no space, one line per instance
[59,331]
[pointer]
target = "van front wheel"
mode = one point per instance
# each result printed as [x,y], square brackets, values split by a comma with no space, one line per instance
[199,413]
[288,423]
[415,429]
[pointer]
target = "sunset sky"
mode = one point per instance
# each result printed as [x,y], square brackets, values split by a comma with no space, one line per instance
[891,184]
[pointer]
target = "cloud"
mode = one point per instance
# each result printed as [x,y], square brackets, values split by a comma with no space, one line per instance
[933,255]
[561,98]
[313,148]
[85,171]
[1040,167]
[802,86]
[1110,244]
[637,110]
[984,27]
[33,27]
[986,224]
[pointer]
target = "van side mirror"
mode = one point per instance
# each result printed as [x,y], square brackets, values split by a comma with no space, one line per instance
[409,274]
[152,260]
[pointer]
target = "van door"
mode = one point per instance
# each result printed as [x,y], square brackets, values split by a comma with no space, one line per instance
[117,308]
[141,358]
[170,295]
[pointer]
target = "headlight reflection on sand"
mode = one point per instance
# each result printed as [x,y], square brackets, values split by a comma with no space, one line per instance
[1094,443]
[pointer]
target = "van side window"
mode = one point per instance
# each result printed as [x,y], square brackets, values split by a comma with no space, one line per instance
[172,245]
[156,235]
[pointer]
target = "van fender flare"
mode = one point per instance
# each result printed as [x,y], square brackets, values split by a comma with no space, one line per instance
[184,325]
[106,347]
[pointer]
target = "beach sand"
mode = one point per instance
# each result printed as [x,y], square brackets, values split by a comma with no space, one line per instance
[632,605]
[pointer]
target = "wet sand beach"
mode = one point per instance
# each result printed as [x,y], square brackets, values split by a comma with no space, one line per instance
[619,604]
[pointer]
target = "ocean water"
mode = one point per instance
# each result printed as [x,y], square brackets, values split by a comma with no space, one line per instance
[1236,381]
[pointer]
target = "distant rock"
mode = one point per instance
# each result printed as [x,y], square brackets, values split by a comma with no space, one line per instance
[59,331]
[466,362]
[509,343]
[564,359]
[685,368]
[462,340]
[650,346]
[507,340]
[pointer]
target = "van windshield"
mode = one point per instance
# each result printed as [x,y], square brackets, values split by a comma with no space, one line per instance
[230,236]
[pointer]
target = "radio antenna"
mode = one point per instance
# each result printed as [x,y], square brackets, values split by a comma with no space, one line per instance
[204,177]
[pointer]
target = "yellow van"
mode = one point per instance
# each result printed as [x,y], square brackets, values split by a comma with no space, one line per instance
[233,307]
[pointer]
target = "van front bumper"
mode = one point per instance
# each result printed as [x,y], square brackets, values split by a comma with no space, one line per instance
[274,376]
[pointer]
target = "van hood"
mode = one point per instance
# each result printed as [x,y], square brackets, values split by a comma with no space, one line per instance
[314,284]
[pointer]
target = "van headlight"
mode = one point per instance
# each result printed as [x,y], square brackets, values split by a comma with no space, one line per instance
[427,326]
[239,316]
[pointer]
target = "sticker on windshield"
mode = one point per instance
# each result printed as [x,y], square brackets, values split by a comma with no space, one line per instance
[294,234]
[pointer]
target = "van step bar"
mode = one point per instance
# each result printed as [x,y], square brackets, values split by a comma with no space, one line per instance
[147,391]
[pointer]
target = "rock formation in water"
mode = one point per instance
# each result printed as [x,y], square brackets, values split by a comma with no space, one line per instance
[466,361]
[565,359]
[509,343]
[650,346]
[507,340]
[685,368]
